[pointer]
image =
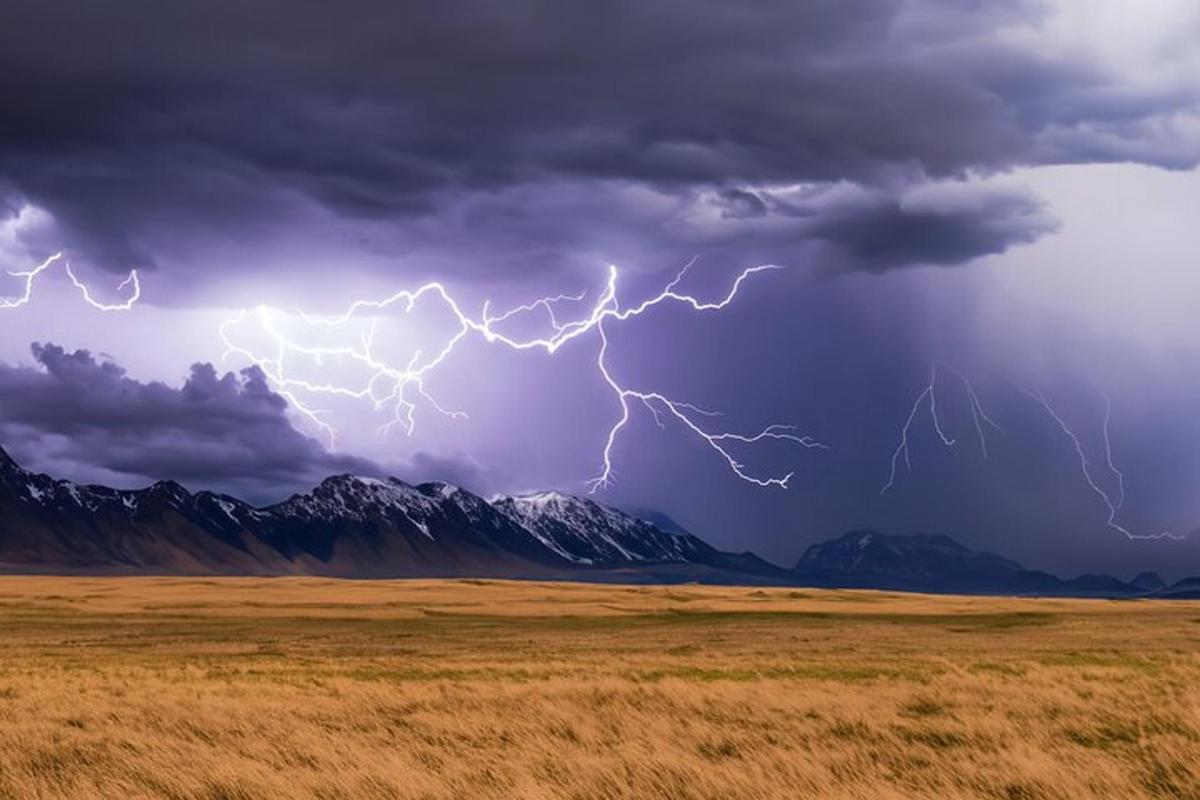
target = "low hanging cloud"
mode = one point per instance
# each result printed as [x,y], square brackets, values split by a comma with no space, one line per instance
[76,415]
[933,224]
[853,228]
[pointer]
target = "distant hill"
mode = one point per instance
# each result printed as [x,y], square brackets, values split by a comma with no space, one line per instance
[1186,589]
[1149,582]
[933,563]
[360,527]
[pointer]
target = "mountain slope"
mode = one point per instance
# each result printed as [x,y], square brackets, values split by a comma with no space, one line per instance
[1186,589]
[51,524]
[367,527]
[347,526]
[589,534]
[1149,582]
[932,563]
[361,527]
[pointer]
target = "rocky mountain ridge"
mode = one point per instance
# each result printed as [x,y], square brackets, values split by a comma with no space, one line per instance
[366,527]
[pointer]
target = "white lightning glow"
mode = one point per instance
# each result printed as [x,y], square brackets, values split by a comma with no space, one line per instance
[1085,467]
[30,276]
[400,388]
[978,416]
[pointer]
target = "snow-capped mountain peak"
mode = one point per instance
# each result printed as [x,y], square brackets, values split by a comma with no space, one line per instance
[350,525]
[586,532]
[360,498]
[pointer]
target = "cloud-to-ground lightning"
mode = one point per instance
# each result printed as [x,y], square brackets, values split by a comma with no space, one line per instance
[31,276]
[1085,467]
[982,420]
[979,417]
[657,403]
[400,388]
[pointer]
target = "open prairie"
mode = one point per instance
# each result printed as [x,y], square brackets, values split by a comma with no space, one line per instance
[233,689]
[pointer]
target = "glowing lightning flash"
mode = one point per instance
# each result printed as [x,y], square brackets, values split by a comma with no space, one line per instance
[401,388]
[1085,468]
[657,403]
[31,275]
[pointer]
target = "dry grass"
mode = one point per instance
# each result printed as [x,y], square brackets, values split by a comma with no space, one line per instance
[239,689]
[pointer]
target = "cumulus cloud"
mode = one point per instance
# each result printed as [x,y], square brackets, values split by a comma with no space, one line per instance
[83,416]
[193,122]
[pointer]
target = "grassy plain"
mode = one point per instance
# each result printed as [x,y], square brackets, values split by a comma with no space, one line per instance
[238,689]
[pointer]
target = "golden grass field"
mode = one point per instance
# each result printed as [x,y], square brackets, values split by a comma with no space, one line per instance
[232,689]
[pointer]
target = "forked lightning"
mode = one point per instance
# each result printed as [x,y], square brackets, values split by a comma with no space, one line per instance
[982,420]
[399,389]
[31,275]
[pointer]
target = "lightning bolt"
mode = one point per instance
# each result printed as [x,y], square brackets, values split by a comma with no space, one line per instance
[928,395]
[1108,453]
[1085,467]
[31,276]
[982,420]
[400,389]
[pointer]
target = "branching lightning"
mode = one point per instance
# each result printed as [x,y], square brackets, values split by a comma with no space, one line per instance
[1085,467]
[399,389]
[31,276]
[982,420]
[928,395]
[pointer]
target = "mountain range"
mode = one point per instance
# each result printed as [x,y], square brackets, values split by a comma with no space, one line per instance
[363,527]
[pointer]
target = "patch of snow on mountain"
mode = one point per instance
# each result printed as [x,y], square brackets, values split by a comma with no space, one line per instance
[586,532]
[352,497]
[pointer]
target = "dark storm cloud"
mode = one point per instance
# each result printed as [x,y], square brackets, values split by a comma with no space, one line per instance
[216,430]
[144,127]
[935,223]
[739,204]
[879,233]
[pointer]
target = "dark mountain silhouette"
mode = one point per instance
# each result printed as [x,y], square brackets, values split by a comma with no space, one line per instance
[932,563]
[1149,582]
[360,527]
[1186,589]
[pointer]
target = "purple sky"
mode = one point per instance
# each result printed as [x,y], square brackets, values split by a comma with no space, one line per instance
[1006,188]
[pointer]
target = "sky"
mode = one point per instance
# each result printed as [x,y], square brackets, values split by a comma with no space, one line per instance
[978,217]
